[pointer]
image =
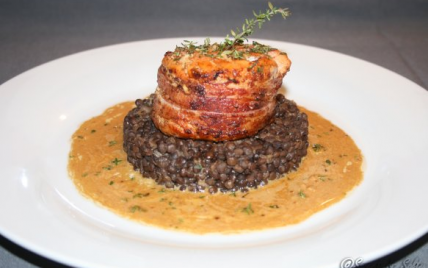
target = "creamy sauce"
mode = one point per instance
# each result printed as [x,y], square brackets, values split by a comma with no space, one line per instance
[98,167]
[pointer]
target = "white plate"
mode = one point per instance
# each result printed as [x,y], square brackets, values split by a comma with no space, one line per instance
[41,210]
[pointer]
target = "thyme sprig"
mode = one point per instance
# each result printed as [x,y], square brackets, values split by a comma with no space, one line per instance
[239,37]
[231,44]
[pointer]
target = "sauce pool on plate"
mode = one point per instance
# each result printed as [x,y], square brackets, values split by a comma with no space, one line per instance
[100,171]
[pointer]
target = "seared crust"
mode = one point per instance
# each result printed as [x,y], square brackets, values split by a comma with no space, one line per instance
[217,98]
[207,125]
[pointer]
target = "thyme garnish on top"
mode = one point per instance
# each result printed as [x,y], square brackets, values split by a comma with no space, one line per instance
[233,46]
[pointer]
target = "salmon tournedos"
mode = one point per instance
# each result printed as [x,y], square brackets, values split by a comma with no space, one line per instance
[212,95]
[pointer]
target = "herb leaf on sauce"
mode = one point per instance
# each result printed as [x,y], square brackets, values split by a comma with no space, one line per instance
[317,147]
[116,161]
[137,208]
[140,195]
[111,143]
[108,167]
[248,209]
[302,194]
[171,205]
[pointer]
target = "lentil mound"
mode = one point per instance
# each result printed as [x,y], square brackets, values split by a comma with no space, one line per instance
[198,165]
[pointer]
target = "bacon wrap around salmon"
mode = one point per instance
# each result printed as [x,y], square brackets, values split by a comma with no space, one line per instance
[212,96]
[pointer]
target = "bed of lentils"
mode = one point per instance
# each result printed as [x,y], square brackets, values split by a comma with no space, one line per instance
[199,166]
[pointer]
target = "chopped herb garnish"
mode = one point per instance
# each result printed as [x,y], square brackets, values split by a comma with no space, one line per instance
[109,167]
[260,48]
[202,196]
[233,194]
[136,208]
[248,209]
[116,161]
[274,206]
[322,178]
[328,161]
[260,69]
[111,143]
[162,190]
[177,56]
[111,183]
[302,194]
[252,66]
[85,174]
[140,195]
[93,131]
[317,147]
[171,205]
[237,54]
[80,137]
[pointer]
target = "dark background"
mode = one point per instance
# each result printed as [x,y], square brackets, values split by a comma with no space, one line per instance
[390,33]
